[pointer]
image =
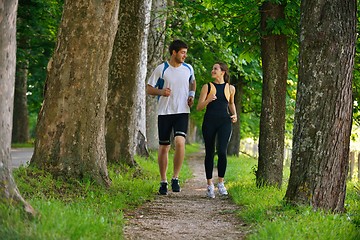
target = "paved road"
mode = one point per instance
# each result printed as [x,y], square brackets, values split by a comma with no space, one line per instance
[20,156]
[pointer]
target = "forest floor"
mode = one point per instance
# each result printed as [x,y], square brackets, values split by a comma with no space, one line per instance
[188,214]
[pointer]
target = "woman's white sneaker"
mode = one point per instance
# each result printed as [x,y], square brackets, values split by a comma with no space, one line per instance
[210,193]
[222,189]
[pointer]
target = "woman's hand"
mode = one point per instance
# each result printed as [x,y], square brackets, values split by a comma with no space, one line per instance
[233,118]
[211,97]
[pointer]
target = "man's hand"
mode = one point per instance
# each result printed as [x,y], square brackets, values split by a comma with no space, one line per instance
[166,92]
[190,101]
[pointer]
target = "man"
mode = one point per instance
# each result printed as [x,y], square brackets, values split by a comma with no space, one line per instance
[174,84]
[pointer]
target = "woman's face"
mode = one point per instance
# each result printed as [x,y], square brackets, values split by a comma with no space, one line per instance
[216,71]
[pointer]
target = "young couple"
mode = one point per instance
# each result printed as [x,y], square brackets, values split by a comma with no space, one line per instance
[174,83]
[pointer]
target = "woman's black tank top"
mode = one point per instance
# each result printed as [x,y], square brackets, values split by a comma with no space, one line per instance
[218,107]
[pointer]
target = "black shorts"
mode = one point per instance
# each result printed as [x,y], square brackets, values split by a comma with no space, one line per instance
[167,123]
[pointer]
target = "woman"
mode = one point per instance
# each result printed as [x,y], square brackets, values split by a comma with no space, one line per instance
[218,98]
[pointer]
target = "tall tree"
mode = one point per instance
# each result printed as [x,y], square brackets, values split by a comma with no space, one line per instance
[126,91]
[156,42]
[274,54]
[9,192]
[323,104]
[70,135]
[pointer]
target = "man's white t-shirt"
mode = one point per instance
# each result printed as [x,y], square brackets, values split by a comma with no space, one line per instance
[178,80]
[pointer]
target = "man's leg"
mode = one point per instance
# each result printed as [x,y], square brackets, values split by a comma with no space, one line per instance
[180,129]
[163,160]
[179,155]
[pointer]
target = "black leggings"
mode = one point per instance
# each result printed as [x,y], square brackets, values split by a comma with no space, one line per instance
[212,128]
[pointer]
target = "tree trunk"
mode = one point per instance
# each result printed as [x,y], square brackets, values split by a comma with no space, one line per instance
[274,54]
[140,131]
[9,193]
[192,132]
[126,92]
[70,135]
[20,132]
[323,114]
[156,43]
[234,144]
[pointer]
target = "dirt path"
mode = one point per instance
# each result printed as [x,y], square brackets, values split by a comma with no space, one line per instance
[186,215]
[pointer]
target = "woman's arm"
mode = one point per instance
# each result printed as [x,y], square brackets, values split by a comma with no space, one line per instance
[232,104]
[203,100]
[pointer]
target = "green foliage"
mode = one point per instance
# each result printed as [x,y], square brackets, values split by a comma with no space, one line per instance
[229,31]
[37,26]
[353,202]
[273,219]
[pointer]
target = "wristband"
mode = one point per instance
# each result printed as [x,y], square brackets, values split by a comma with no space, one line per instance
[192,94]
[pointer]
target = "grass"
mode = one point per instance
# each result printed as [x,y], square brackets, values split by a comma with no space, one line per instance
[83,210]
[23,145]
[270,218]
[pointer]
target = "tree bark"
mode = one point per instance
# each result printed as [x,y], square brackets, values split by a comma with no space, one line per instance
[323,114]
[126,92]
[140,131]
[9,193]
[70,135]
[234,144]
[192,132]
[156,41]
[20,132]
[274,56]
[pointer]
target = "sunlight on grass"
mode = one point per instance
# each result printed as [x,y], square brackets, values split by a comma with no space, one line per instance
[264,209]
[81,209]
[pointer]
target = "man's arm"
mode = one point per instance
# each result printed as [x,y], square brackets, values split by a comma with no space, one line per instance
[192,86]
[158,92]
[192,89]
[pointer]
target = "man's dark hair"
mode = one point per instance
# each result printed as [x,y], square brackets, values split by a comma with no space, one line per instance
[177,45]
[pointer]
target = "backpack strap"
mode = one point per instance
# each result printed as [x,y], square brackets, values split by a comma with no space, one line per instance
[211,89]
[160,82]
[166,65]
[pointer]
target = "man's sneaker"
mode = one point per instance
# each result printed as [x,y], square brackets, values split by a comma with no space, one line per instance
[222,189]
[163,188]
[210,193]
[175,185]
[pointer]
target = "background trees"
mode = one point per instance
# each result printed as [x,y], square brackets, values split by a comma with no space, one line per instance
[274,55]
[125,113]
[156,52]
[37,26]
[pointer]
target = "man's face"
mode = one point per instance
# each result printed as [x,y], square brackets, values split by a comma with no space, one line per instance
[180,55]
